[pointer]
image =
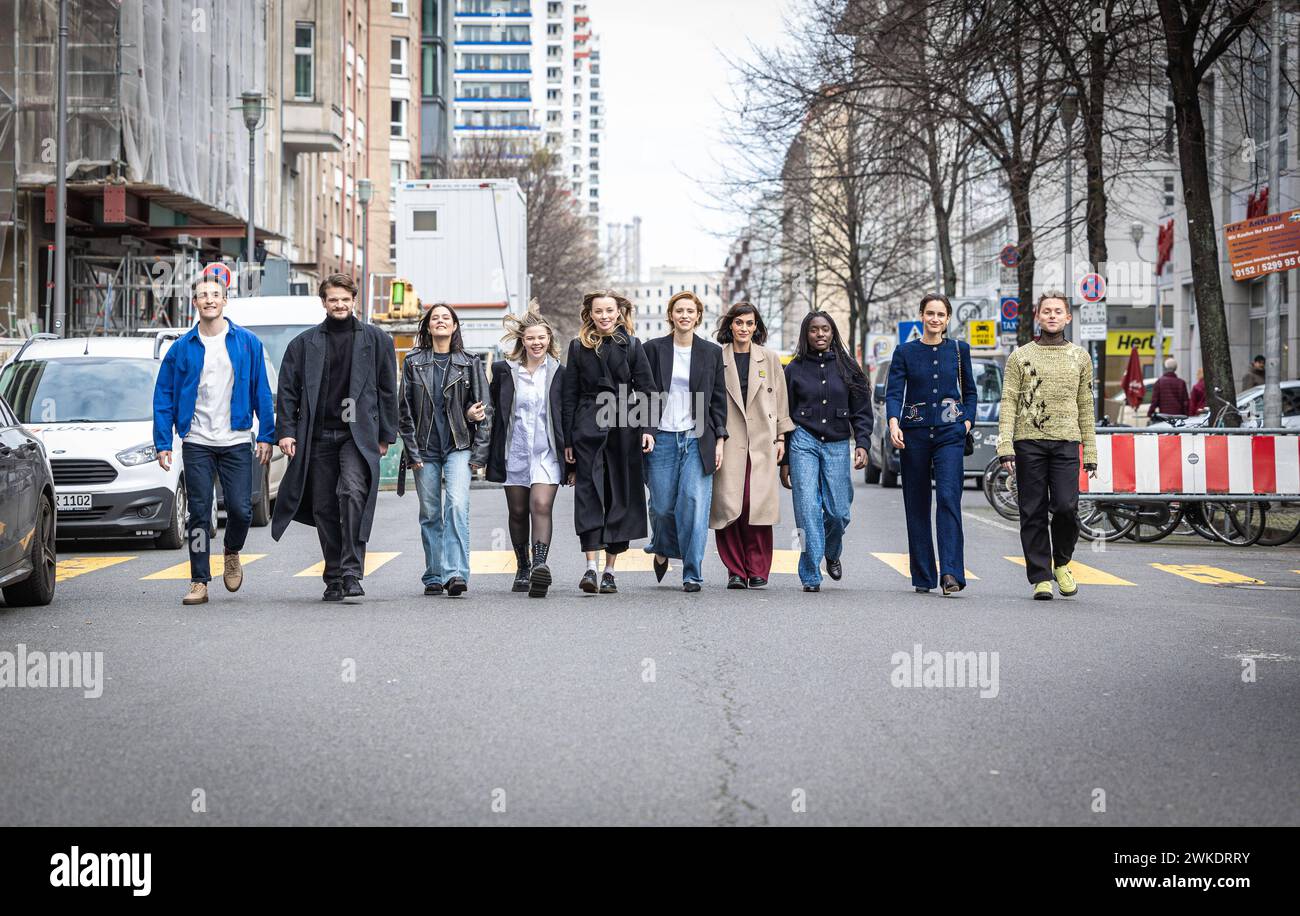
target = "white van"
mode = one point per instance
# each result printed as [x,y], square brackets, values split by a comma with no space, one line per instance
[276,320]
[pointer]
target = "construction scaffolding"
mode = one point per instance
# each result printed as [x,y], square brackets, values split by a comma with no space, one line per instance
[153,89]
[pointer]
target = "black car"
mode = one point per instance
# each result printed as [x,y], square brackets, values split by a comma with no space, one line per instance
[883,465]
[27,515]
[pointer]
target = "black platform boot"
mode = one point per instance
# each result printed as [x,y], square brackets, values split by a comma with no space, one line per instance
[540,580]
[521,569]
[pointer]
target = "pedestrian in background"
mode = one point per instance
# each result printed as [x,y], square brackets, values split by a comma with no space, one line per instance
[606,382]
[527,442]
[931,403]
[210,384]
[829,402]
[1255,374]
[692,417]
[337,417]
[1046,414]
[445,425]
[1196,401]
[1170,394]
[746,496]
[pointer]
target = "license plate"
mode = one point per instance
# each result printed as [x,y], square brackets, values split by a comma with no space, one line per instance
[72,502]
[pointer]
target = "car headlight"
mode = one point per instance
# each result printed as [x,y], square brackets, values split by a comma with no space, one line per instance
[141,454]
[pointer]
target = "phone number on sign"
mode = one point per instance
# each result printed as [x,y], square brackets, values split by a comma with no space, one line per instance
[1251,270]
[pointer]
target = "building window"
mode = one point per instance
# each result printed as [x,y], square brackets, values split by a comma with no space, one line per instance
[398,119]
[429,18]
[304,61]
[398,55]
[429,71]
[399,8]
[424,220]
[1169,192]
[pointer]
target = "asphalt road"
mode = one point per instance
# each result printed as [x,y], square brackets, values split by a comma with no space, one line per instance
[658,707]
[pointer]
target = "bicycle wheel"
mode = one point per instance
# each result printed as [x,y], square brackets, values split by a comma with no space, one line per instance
[1194,518]
[1104,521]
[1282,525]
[1239,524]
[1155,521]
[1000,490]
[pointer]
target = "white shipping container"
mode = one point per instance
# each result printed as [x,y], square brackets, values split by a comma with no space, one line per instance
[464,242]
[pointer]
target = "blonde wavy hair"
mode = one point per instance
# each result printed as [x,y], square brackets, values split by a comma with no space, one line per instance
[517,326]
[587,334]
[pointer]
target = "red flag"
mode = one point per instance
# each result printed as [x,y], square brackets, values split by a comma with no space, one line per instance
[1134,388]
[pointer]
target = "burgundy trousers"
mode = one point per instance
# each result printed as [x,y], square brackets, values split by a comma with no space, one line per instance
[745,549]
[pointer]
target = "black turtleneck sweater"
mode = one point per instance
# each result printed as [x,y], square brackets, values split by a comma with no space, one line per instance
[337,377]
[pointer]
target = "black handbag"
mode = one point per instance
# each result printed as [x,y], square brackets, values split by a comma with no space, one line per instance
[970,435]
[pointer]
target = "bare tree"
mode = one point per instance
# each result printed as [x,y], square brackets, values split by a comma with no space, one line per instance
[563,258]
[1196,34]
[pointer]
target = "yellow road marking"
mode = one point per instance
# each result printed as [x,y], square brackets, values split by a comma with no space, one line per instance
[216,565]
[785,562]
[71,567]
[1084,574]
[1207,575]
[901,562]
[374,560]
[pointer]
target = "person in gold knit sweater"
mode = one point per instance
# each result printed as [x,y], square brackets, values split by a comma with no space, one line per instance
[1046,413]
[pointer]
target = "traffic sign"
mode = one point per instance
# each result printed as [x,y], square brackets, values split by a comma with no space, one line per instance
[219,272]
[1009,256]
[982,333]
[1092,287]
[908,330]
[1010,306]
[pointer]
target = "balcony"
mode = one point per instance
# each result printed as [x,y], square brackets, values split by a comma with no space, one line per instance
[311,127]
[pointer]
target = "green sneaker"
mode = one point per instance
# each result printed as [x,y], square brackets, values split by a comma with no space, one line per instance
[1065,581]
[1043,591]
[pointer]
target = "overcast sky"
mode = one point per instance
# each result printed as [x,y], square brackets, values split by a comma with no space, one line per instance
[663,82]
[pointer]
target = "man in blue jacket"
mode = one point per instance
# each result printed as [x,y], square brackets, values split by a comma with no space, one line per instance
[210,384]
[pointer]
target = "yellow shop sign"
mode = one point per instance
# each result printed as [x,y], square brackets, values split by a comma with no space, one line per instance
[1121,343]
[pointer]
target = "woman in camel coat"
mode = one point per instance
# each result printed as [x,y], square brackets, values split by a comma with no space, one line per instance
[746,490]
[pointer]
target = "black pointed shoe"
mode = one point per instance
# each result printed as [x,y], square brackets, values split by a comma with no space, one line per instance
[607,584]
[352,587]
[950,584]
[736,582]
[757,582]
[660,569]
[834,569]
[588,583]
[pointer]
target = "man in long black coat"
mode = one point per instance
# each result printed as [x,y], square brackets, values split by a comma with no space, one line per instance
[337,400]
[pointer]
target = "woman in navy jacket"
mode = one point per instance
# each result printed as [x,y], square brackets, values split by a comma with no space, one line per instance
[931,402]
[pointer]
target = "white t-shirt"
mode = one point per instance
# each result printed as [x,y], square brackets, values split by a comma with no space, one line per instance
[677,410]
[211,423]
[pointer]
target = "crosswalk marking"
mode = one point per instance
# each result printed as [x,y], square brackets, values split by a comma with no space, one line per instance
[1084,574]
[374,560]
[902,563]
[1207,575]
[71,567]
[785,562]
[216,565]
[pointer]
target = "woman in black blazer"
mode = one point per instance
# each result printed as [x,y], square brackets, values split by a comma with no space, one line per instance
[605,431]
[526,450]
[690,417]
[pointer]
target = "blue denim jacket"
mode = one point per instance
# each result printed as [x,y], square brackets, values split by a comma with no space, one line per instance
[922,388]
[176,389]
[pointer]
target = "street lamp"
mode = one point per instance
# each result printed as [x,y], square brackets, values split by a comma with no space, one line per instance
[251,105]
[365,191]
[1136,231]
[1069,110]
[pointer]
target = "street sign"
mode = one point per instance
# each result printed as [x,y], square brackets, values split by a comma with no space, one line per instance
[219,272]
[908,330]
[1009,256]
[1092,287]
[1010,308]
[1092,320]
[982,333]
[972,310]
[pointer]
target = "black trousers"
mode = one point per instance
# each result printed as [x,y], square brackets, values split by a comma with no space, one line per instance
[340,485]
[1047,483]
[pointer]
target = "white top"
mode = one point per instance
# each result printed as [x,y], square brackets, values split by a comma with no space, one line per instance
[677,410]
[211,423]
[531,459]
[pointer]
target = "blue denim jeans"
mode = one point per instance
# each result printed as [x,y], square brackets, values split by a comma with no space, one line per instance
[821,477]
[443,487]
[939,450]
[203,464]
[680,498]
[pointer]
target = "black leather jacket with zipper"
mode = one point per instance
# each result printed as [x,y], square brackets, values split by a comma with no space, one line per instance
[465,384]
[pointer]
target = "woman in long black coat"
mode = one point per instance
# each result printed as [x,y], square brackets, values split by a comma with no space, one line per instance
[605,430]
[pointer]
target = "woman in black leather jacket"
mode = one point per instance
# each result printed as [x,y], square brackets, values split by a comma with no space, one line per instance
[446,424]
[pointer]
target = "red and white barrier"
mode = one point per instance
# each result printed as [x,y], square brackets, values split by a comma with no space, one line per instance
[1195,464]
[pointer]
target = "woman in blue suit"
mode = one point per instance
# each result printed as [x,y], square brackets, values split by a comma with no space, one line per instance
[931,401]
